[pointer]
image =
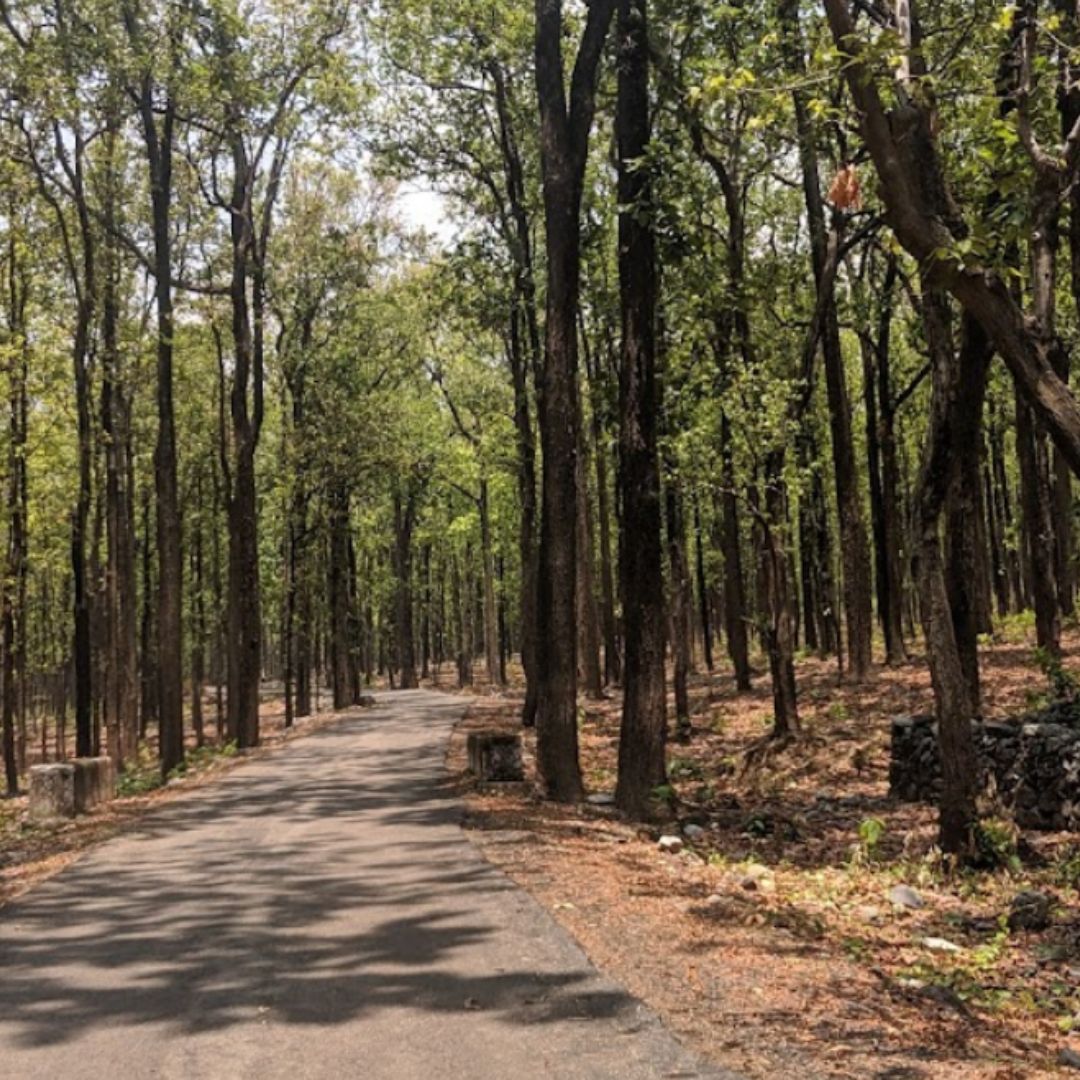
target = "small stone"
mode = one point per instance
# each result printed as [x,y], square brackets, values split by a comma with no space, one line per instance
[904,896]
[938,944]
[1030,910]
[757,877]
[693,832]
[601,798]
[869,914]
[1070,1059]
[671,845]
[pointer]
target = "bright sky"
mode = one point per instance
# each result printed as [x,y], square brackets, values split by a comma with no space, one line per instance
[425,209]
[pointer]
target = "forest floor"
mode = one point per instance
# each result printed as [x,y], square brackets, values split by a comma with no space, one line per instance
[771,938]
[33,851]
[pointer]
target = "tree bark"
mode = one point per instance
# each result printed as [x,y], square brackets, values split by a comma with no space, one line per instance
[956,405]
[564,139]
[642,766]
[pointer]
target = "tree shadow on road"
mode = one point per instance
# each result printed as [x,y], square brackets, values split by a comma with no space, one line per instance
[311,888]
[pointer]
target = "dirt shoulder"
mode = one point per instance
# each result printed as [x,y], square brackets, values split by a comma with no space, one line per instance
[772,943]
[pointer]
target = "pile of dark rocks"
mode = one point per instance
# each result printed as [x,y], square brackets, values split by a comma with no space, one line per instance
[1032,764]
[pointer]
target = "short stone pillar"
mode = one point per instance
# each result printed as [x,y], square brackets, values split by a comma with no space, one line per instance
[495,757]
[52,792]
[95,782]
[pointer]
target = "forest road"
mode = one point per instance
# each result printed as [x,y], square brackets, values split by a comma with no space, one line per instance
[317,913]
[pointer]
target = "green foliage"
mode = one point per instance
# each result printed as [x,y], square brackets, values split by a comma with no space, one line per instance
[997,844]
[871,832]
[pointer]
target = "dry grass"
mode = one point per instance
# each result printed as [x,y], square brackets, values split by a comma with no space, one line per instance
[813,970]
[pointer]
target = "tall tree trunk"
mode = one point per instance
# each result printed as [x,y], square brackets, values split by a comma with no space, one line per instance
[778,618]
[338,597]
[642,766]
[1032,452]
[704,613]
[198,631]
[158,123]
[855,550]
[490,599]
[965,540]
[526,480]
[588,619]
[681,606]
[881,461]
[955,406]
[14,620]
[612,659]
[734,585]
[245,619]
[523,311]
[404,521]
[565,126]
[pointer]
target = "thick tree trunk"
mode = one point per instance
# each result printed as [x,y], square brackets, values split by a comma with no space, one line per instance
[564,139]
[965,541]
[956,407]
[642,766]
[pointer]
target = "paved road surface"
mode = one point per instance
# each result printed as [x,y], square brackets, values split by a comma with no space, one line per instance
[316,914]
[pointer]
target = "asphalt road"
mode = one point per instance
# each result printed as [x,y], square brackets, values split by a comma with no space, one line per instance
[317,913]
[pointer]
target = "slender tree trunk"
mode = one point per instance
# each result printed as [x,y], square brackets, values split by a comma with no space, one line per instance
[14,627]
[198,633]
[681,614]
[588,620]
[855,550]
[338,597]
[612,659]
[490,600]
[885,516]
[526,481]
[523,311]
[734,586]
[404,521]
[702,588]
[778,619]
